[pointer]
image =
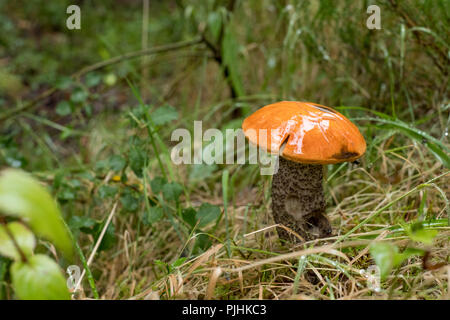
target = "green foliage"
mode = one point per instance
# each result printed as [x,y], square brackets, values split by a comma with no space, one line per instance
[23,237]
[169,268]
[117,163]
[164,115]
[154,214]
[207,213]
[230,52]
[436,147]
[172,191]
[63,108]
[388,257]
[157,184]
[23,197]
[40,278]
[34,276]
[129,199]
[417,232]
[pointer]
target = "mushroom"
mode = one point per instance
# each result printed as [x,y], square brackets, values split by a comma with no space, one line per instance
[306,136]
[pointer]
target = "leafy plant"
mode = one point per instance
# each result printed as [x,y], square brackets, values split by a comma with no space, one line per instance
[25,205]
[388,256]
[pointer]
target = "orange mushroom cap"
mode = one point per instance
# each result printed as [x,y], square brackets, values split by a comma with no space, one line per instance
[313,133]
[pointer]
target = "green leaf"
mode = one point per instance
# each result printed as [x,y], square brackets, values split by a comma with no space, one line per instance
[79,95]
[189,216]
[200,172]
[109,238]
[23,237]
[63,83]
[22,196]
[66,193]
[207,213]
[202,244]
[178,262]
[106,191]
[154,214]
[138,159]
[172,191]
[129,201]
[39,279]
[215,24]
[164,115]
[387,256]
[417,232]
[93,79]
[157,184]
[117,163]
[384,255]
[63,108]
[84,224]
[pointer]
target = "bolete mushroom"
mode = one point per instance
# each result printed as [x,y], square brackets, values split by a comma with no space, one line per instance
[306,136]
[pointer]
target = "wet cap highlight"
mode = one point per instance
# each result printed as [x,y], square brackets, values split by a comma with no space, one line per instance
[308,132]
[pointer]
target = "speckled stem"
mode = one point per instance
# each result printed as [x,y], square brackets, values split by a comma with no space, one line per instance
[298,201]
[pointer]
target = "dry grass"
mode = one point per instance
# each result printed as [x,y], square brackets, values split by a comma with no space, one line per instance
[260,267]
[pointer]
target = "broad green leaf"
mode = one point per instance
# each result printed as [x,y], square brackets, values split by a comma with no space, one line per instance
[63,83]
[117,163]
[417,232]
[384,255]
[92,79]
[387,256]
[79,95]
[157,184]
[172,191]
[207,213]
[106,191]
[163,115]
[189,216]
[154,214]
[22,196]
[63,108]
[407,253]
[129,200]
[178,262]
[202,244]
[138,159]
[84,224]
[23,237]
[109,238]
[39,279]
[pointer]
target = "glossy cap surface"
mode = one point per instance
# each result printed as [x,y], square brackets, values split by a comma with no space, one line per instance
[313,133]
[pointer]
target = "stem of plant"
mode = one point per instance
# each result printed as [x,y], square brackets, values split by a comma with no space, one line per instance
[23,257]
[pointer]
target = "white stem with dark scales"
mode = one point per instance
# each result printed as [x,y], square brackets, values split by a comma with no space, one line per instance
[298,201]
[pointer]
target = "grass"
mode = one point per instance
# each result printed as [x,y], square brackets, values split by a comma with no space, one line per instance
[78,112]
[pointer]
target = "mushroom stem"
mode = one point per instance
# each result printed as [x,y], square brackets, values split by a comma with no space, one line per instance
[298,201]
